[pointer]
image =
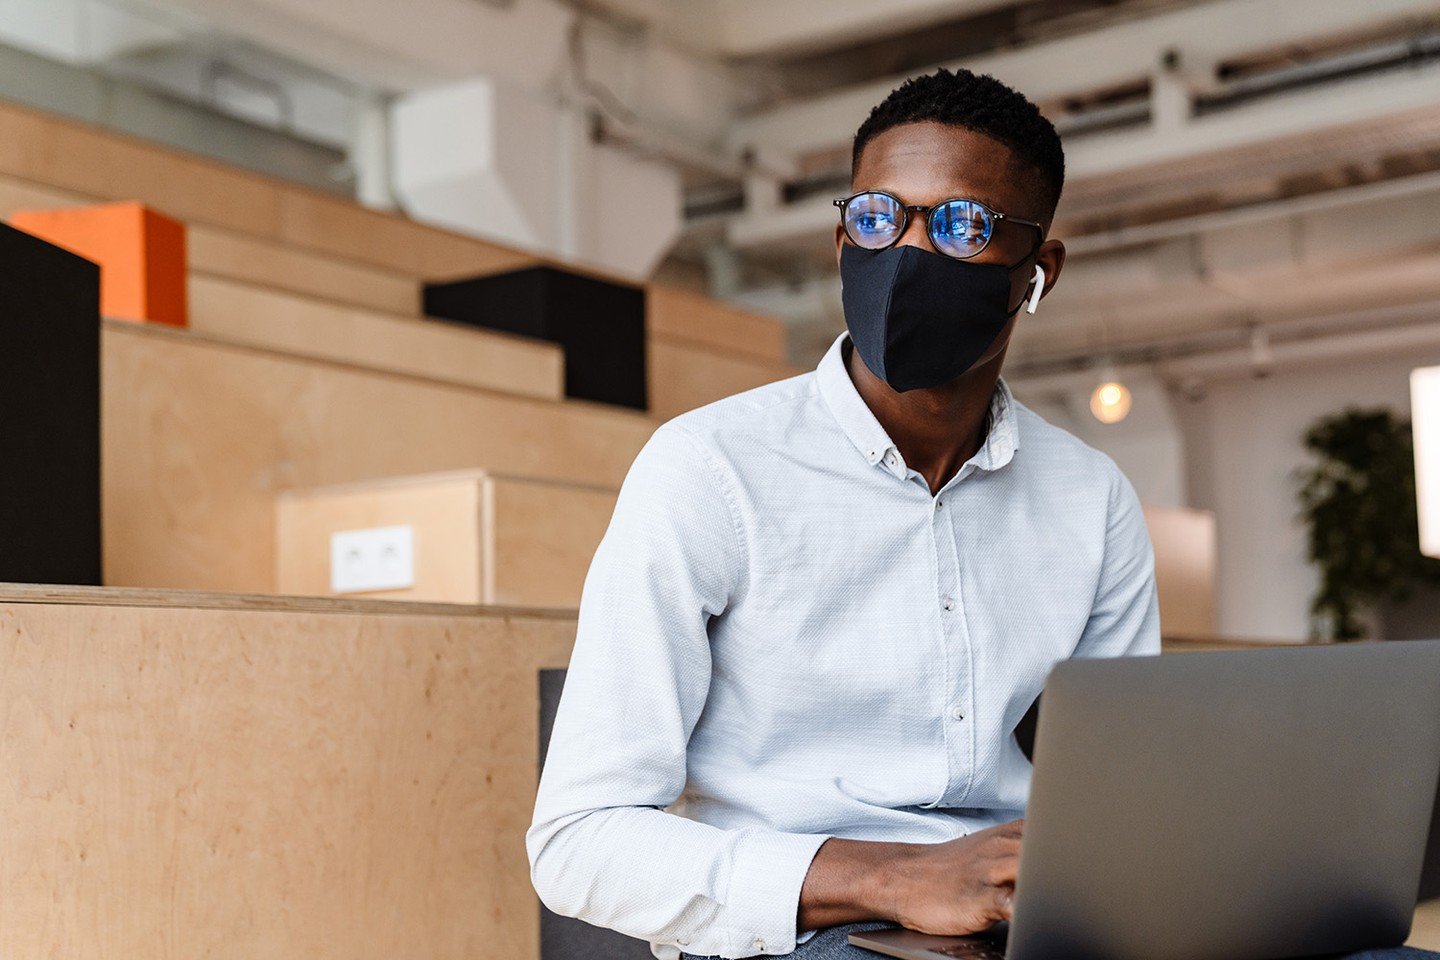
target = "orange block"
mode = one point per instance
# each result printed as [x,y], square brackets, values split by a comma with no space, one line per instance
[141,255]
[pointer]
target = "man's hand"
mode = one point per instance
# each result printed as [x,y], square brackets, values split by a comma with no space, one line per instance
[960,886]
[953,888]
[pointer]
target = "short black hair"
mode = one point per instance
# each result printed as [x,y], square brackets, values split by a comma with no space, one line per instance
[976,102]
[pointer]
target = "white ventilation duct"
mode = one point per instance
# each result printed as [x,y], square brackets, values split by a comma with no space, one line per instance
[480,158]
[516,167]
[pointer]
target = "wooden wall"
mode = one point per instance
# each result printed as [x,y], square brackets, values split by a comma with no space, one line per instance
[480,537]
[1184,542]
[307,364]
[191,776]
[304,327]
[199,438]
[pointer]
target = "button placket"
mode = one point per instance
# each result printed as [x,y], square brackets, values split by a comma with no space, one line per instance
[954,633]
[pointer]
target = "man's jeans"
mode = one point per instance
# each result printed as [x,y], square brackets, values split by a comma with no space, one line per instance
[830,944]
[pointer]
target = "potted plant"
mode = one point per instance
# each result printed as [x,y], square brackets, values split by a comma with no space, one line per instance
[1358,500]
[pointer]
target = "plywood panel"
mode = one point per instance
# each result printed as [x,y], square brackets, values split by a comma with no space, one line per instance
[682,377]
[199,438]
[1426,933]
[72,156]
[540,540]
[235,256]
[443,510]
[677,314]
[102,164]
[349,230]
[23,195]
[479,537]
[305,327]
[1184,542]
[221,253]
[187,783]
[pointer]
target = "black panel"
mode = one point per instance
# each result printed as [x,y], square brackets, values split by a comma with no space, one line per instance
[565,938]
[599,324]
[49,413]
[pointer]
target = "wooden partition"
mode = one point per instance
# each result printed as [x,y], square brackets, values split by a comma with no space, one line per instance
[260,263]
[1184,542]
[479,536]
[199,438]
[687,317]
[237,777]
[683,376]
[220,252]
[1426,932]
[305,327]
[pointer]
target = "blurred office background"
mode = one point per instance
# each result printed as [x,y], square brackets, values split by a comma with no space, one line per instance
[410,284]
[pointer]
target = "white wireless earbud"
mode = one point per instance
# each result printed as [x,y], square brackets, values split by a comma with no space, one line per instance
[1039,281]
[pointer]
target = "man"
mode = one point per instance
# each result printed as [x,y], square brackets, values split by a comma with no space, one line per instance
[822,606]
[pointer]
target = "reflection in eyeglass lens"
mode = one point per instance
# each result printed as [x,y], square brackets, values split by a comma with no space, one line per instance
[873,219]
[961,228]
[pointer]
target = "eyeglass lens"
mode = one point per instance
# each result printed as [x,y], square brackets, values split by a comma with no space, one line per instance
[874,220]
[958,228]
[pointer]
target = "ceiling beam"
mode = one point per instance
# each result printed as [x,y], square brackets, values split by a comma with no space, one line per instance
[403,46]
[1104,58]
[785,27]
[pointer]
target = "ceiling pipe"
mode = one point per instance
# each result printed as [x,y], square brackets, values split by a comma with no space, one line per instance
[1384,330]
[1100,242]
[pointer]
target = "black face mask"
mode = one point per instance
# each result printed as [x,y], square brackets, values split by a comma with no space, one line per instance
[920,319]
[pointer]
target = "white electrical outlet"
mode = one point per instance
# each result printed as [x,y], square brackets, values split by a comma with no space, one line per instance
[382,558]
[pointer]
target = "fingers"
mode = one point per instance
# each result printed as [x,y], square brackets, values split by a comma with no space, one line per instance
[1002,903]
[1003,872]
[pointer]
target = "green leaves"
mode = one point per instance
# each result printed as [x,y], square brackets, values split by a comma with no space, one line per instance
[1358,499]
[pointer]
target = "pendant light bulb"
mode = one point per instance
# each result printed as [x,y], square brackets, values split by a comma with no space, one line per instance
[1110,401]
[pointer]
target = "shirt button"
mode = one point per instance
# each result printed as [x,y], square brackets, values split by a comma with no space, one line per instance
[957,712]
[938,504]
[890,458]
[949,604]
[759,944]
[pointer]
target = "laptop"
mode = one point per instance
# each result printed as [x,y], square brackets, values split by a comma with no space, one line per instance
[1232,805]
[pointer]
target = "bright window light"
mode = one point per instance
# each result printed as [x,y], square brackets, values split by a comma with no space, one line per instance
[1425,415]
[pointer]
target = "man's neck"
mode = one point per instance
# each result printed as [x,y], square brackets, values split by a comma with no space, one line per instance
[938,429]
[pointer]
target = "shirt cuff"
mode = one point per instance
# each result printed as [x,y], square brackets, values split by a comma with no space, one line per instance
[764,894]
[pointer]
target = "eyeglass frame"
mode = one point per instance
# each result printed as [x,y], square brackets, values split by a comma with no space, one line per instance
[929,211]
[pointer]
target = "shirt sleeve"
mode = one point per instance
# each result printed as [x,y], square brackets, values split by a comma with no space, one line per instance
[1125,617]
[601,846]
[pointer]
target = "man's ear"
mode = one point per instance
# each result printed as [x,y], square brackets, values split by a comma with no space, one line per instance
[839,241]
[1050,258]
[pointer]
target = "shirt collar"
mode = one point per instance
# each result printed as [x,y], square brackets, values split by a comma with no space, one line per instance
[870,438]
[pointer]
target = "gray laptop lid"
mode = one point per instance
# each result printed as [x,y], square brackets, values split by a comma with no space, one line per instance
[1235,805]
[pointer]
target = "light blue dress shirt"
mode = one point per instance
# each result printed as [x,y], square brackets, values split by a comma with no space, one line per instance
[784,637]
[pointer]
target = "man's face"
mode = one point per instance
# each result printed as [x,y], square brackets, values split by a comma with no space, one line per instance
[925,163]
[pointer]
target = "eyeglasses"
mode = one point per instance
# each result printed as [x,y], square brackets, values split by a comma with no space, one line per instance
[958,228]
